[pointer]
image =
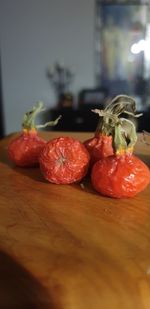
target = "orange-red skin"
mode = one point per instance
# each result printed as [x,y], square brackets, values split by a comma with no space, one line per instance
[99,147]
[120,176]
[64,160]
[24,150]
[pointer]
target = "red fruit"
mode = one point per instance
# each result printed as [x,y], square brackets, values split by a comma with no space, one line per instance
[24,151]
[64,160]
[123,174]
[120,176]
[99,147]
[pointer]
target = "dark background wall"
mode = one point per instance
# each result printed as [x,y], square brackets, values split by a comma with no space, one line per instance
[1,107]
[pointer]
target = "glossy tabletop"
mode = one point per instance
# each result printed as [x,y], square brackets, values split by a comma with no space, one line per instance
[67,247]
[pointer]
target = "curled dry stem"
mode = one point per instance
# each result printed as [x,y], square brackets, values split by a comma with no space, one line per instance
[30,117]
[122,130]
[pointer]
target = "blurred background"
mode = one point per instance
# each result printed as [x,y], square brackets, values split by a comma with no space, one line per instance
[74,55]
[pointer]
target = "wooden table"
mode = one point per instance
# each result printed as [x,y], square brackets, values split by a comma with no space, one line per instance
[66,247]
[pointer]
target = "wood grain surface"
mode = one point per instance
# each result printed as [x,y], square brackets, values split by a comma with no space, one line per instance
[66,247]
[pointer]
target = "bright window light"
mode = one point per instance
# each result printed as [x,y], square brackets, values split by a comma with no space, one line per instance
[142,45]
[147,50]
[135,49]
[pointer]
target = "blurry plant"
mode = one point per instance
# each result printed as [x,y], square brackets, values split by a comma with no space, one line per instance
[61,77]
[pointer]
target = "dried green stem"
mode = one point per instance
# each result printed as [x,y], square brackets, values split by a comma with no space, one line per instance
[122,130]
[30,117]
[50,123]
[125,136]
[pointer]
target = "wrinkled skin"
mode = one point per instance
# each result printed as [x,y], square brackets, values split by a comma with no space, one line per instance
[64,160]
[120,176]
[24,150]
[99,147]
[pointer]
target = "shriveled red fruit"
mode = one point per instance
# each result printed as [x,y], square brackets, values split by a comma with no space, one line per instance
[64,160]
[24,150]
[99,147]
[120,176]
[123,174]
